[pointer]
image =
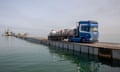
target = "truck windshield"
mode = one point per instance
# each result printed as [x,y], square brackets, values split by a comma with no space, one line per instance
[94,29]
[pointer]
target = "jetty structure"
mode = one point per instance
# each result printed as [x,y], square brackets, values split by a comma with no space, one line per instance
[100,49]
[82,39]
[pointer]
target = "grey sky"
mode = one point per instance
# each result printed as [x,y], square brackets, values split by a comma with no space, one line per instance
[44,15]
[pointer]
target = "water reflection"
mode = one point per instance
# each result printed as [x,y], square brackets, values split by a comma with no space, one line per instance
[85,62]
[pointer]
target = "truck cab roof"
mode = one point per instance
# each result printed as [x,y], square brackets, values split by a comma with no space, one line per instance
[88,22]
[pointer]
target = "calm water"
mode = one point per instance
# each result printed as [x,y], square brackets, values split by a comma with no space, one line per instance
[18,55]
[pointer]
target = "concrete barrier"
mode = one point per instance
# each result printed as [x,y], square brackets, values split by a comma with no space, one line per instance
[116,54]
[61,44]
[95,51]
[54,43]
[84,49]
[71,46]
[77,48]
[65,45]
[91,50]
[57,44]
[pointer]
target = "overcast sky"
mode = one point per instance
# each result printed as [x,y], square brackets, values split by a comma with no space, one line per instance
[44,15]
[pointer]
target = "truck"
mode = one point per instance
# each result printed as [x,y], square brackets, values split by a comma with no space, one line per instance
[86,31]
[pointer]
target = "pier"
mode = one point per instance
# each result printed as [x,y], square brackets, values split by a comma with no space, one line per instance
[100,49]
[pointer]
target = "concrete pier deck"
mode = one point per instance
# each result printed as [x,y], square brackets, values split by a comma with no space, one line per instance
[97,44]
[101,49]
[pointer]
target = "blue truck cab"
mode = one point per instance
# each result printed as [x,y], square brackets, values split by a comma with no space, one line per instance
[87,31]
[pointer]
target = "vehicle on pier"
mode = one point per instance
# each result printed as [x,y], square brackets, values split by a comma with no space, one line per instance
[86,31]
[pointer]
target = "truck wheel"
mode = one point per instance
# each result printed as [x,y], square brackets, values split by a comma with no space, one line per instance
[83,40]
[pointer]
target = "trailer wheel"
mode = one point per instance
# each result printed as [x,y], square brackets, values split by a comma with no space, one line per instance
[69,40]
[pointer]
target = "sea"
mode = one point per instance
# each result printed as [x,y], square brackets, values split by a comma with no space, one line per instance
[17,55]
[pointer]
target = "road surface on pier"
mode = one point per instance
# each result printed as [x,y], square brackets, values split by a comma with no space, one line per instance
[96,44]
